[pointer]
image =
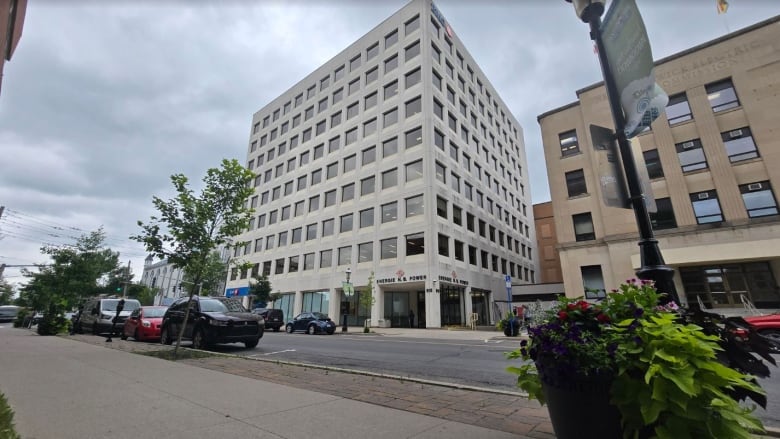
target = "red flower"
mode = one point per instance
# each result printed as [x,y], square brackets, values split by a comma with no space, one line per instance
[563,315]
[571,307]
[603,318]
[583,305]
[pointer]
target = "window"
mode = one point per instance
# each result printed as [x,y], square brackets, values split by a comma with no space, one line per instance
[367,186]
[722,95]
[391,63]
[391,38]
[345,255]
[653,164]
[438,110]
[388,248]
[327,227]
[691,155]
[332,170]
[365,252]
[298,100]
[593,282]
[739,144]
[304,158]
[412,50]
[316,177]
[367,218]
[706,207]
[389,212]
[441,173]
[372,75]
[311,232]
[436,81]
[338,95]
[372,51]
[292,266]
[368,155]
[306,135]
[352,110]
[314,203]
[296,120]
[575,183]
[391,89]
[345,223]
[353,86]
[322,105]
[282,239]
[569,143]
[452,122]
[413,77]
[389,147]
[414,137]
[583,227]
[413,107]
[351,136]
[438,139]
[389,178]
[759,199]
[390,117]
[320,128]
[269,242]
[335,119]
[350,163]
[347,192]
[453,152]
[334,144]
[441,207]
[324,82]
[299,208]
[326,258]
[415,244]
[354,63]
[678,110]
[414,171]
[470,222]
[414,206]
[296,235]
[308,114]
[412,25]
[444,245]
[370,101]
[308,261]
[458,250]
[455,182]
[339,73]
[369,127]
[664,217]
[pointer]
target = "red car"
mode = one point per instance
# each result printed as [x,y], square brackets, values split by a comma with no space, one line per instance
[144,323]
[768,326]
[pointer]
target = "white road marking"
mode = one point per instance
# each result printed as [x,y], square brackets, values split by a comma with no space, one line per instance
[277,352]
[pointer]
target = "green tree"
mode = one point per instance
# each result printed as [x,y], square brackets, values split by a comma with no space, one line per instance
[214,273]
[6,293]
[144,294]
[75,273]
[366,298]
[196,225]
[260,289]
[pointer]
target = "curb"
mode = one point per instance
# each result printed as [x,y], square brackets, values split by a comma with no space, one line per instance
[772,432]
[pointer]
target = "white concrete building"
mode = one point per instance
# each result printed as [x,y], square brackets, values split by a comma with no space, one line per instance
[163,277]
[397,157]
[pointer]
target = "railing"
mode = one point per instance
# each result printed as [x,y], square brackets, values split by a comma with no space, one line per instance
[749,307]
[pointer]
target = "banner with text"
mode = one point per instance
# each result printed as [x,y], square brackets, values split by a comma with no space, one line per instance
[627,48]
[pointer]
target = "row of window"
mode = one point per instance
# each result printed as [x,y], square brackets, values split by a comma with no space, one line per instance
[721,95]
[414,244]
[758,198]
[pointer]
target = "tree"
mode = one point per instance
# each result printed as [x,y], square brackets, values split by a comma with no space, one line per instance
[214,273]
[196,225]
[260,289]
[366,298]
[74,274]
[6,293]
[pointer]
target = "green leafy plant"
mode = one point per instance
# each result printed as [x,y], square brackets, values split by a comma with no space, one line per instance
[665,374]
[7,430]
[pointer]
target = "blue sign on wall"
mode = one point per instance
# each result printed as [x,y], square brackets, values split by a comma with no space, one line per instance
[237,292]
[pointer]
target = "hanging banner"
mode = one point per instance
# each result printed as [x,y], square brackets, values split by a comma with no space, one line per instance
[627,48]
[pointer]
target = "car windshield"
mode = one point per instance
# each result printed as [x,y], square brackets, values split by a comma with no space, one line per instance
[233,305]
[110,305]
[320,316]
[154,312]
[212,305]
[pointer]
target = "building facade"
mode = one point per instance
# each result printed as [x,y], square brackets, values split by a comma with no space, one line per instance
[713,164]
[547,244]
[396,161]
[11,23]
[163,277]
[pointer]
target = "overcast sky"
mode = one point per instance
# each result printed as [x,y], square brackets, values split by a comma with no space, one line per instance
[104,100]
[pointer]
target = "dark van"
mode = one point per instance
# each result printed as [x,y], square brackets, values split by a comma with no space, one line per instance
[274,318]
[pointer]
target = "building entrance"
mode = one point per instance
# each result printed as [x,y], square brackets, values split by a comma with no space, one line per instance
[719,286]
[451,303]
[480,306]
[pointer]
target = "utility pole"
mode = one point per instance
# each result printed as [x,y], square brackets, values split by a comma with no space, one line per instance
[127,280]
[2,208]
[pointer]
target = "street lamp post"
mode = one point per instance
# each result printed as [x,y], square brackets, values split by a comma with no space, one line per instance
[346,314]
[652,263]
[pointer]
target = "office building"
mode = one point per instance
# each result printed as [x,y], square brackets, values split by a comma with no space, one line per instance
[11,23]
[396,162]
[713,165]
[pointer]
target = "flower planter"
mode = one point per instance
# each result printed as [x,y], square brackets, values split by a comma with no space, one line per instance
[512,330]
[580,409]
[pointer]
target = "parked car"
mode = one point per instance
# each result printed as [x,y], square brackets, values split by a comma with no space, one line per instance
[99,313]
[768,326]
[144,323]
[8,313]
[212,320]
[274,318]
[311,323]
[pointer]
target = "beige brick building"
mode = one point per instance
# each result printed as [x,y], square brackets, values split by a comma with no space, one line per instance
[714,165]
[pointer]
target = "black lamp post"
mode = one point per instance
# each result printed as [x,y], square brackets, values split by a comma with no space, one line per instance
[346,308]
[119,307]
[652,263]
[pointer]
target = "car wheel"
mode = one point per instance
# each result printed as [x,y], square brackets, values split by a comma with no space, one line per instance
[312,330]
[165,336]
[199,340]
[123,336]
[251,344]
[288,329]
[331,331]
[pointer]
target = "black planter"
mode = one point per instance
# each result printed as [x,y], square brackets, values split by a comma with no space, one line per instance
[512,330]
[580,409]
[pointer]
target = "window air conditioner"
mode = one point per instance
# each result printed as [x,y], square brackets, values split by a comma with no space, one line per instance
[754,186]
[735,133]
[688,145]
[704,195]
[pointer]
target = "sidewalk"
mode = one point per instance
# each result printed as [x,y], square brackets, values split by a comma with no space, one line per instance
[82,387]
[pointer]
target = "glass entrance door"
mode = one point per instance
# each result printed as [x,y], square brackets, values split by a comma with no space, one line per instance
[451,305]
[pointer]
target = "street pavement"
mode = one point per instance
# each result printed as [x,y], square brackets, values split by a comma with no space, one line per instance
[82,387]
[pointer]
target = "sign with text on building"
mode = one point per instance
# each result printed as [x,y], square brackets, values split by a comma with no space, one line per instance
[237,292]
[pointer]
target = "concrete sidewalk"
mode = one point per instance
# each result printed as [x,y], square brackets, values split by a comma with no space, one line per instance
[63,388]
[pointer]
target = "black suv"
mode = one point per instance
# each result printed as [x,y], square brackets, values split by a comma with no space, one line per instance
[274,318]
[212,320]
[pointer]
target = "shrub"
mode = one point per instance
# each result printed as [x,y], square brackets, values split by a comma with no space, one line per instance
[7,430]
